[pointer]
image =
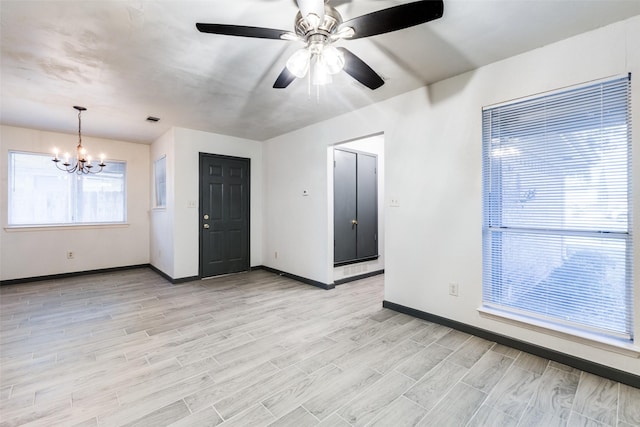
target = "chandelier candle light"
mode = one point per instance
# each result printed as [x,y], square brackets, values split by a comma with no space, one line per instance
[82,163]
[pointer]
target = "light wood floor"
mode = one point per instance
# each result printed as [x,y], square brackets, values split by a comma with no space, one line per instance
[254,349]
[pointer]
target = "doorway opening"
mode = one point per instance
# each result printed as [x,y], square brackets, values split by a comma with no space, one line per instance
[358,215]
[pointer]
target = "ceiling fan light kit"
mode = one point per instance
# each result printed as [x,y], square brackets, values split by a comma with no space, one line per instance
[324,61]
[319,25]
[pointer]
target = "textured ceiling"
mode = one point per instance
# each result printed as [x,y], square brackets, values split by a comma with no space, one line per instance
[125,60]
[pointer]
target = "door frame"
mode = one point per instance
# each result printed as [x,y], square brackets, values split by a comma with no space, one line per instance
[202,155]
[373,143]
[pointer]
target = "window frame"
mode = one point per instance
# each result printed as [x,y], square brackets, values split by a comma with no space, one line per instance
[62,225]
[492,230]
[160,183]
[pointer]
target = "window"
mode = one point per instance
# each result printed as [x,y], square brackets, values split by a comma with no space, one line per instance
[557,210]
[160,178]
[40,194]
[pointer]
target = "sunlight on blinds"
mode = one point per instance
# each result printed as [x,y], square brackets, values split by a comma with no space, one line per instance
[556,208]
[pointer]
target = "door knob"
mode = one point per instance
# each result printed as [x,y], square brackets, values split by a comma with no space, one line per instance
[354,222]
[206,226]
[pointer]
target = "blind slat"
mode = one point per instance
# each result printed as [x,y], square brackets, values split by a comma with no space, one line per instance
[556,208]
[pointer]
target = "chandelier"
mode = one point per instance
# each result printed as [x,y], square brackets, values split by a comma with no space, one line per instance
[81,164]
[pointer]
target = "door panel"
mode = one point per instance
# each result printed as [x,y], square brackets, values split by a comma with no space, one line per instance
[224,215]
[215,201]
[344,211]
[235,201]
[235,172]
[235,246]
[215,243]
[367,245]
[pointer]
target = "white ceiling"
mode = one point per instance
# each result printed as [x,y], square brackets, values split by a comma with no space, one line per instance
[125,60]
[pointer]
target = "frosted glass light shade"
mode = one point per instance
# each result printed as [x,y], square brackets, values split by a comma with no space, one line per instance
[333,59]
[298,63]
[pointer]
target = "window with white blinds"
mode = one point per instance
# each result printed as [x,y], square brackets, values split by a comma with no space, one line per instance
[557,211]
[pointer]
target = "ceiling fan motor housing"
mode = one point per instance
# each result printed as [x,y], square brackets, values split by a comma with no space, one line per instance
[328,27]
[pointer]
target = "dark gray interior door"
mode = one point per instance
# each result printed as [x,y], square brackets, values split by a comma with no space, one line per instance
[224,215]
[345,199]
[367,205]
[355,207]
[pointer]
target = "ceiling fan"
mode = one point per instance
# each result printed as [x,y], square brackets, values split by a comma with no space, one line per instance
[319,25]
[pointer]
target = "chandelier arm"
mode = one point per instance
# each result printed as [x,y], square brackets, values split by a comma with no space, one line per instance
[72,169]
[56,161]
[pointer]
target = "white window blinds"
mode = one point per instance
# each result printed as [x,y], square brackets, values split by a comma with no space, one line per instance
[557,210]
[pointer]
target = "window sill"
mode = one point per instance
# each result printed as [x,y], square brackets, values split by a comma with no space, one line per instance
[62,227]
[623,347]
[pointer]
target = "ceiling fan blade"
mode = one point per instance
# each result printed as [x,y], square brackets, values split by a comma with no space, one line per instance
[242,31]
[395,18]
[284,79]
[360,71]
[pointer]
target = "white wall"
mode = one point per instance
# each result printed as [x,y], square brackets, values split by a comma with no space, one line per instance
[161,219]
[299,228]
[433,168]
[180,218]
[41,251]
[373,145]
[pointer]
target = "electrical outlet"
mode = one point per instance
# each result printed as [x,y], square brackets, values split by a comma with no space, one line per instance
[70,255]
[275,254]
[453,289]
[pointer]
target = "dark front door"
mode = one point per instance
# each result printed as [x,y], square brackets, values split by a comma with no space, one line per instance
[355,204]
[224,215]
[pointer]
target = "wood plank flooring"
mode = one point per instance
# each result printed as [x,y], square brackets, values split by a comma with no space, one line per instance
[257,349]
